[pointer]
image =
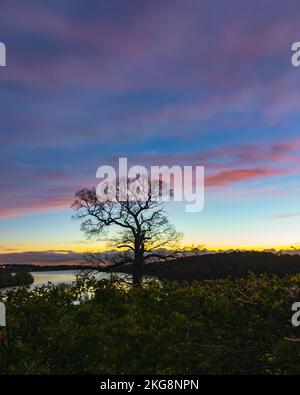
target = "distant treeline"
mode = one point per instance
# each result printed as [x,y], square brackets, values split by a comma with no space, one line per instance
[7,279]
[200,267]
[222,265]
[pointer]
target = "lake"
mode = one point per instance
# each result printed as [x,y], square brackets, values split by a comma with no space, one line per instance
[60,276]
[55,277]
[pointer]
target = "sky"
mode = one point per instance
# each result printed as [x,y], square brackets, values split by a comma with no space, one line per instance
[173,82]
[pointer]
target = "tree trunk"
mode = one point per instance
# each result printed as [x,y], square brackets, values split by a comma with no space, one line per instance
[137,276]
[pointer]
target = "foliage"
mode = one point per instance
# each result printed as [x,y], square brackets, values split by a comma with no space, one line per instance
[223,265]
[7,279]
[211,327]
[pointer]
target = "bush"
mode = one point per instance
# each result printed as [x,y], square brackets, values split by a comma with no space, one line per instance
[7,279]
[23,278]
[213,327]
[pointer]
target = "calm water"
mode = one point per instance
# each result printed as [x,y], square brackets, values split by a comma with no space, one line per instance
[55,277]
[59,277]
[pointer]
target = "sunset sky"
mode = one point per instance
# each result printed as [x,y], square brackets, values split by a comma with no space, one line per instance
[162,82]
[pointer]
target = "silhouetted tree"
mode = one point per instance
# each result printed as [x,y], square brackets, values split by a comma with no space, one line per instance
[138,226]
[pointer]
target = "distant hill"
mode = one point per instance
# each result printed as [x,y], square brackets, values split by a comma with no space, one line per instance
[200,267]
[222,265]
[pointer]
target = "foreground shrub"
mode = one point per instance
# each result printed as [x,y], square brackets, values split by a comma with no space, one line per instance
[213,327]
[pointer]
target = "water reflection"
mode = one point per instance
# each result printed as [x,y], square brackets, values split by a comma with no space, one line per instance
[58,277]
[54,277]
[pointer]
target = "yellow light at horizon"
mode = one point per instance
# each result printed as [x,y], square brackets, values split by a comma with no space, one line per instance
[64,249]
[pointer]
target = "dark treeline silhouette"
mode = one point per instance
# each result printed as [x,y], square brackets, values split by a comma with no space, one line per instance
[7,279]
[222,265]
[198,267]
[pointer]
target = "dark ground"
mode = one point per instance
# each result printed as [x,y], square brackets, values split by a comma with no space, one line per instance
[221,265]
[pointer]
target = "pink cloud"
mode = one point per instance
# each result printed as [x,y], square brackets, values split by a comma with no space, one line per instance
[226,177]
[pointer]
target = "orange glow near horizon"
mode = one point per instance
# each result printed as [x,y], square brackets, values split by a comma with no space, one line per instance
[101,247]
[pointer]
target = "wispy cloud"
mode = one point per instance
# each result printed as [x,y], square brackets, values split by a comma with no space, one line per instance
[286,215]
[42,257]
[230,176]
